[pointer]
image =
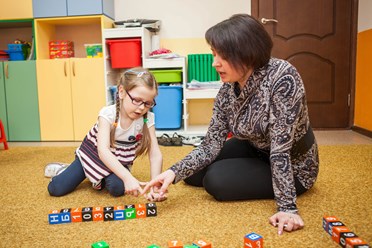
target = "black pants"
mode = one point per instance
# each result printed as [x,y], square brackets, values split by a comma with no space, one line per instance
[240,172]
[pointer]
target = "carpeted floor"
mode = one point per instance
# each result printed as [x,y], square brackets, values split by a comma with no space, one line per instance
[343,189]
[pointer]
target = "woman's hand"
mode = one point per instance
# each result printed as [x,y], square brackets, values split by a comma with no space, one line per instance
[133,187]
[161,182]
[286,221]
[154,195]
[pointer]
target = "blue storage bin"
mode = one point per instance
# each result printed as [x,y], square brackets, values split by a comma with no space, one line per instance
[168,109]
[15,55]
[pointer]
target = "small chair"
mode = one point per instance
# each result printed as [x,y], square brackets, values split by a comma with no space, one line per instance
[3,136]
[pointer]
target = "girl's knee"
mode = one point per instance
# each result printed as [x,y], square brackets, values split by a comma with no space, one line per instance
[116,190]
[54,190]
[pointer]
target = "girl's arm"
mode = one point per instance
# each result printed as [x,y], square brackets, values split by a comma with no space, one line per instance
[109,159]
[155,156]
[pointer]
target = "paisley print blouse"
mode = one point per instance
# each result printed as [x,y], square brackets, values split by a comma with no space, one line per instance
[271,112]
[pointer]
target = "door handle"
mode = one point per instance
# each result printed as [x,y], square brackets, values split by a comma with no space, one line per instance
[73,68]
[65,69]
[265,20]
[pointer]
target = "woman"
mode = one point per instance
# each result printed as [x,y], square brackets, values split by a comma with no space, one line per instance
[262,102]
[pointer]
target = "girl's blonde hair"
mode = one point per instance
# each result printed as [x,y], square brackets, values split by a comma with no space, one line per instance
[130,79]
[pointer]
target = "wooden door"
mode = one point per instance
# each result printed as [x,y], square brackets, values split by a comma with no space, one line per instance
[15,10]
[318,38]
[88,93]
[55,104]
[22,101]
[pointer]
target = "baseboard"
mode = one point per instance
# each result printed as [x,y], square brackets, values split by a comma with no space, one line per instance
[362,131]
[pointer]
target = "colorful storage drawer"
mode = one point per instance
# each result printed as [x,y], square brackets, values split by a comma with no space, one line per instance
[125,53]
[168,109]
[168,76]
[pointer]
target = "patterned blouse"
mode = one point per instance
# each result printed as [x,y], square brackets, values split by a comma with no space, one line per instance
[271,113]
[126,143]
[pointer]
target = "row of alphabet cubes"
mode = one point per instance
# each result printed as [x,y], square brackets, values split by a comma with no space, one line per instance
[179,244]
[122,212]
[341,234]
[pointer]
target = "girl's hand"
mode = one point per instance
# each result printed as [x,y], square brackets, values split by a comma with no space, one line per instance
[154,195]
[161,182]
[286,221]
[133,187]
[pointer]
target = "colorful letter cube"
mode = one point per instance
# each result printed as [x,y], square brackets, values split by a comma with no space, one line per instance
[76,215]
[202,244]
[87,214]
[327,220]
[153,246]
[175,244]
[119,213]
[151,210]
[141,211]
[54,217]
[346,235]
[100,244]
[98,214]
[356,242]
[253,240]
[130,212]
[336,232]
[65,215]
[108,213]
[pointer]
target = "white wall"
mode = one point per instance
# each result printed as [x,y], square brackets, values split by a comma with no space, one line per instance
[365,15]
[180,18]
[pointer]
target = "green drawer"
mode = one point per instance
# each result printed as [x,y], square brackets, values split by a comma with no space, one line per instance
[168,76]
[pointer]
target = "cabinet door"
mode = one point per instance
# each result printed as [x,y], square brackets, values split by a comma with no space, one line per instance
[22,101]
[15,10]
[55,103]
[88,93]
[84,7]
[3,115]
[49,8]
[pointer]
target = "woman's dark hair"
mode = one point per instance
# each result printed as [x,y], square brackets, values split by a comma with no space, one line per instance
[242,41]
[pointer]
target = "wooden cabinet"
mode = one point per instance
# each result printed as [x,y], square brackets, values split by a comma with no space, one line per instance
[19,100]
[61,8]
[15,10]
[71,93]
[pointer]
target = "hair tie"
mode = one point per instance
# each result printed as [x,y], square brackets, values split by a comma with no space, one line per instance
[115,124]
[145,120]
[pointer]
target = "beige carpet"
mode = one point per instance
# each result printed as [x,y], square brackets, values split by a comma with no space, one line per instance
[344,189]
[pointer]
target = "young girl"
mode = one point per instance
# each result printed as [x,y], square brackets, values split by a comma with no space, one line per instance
[123,131]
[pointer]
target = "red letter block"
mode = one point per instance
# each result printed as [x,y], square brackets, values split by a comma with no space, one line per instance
[76,215]
[202,244]
[98,214]
[175,244]
[356,242]
[253,240]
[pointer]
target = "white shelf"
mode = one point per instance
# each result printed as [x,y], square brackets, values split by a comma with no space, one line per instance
[164,63]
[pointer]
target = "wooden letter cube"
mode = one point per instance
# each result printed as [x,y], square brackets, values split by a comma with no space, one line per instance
[130,212]
[141,211]
[98,214]
[87,214]
[65,215]
[346,235]
[151,210]
[333,224]
[76,215]
[153,246]
[54,217]
[119,213]
[100,244]
[175,244]
[202,244]
[356,242]
[253,240]
[108,213]
[336,232]
[327,220]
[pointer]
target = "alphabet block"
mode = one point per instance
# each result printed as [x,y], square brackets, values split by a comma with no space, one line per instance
[344,236]
[87,214]
[190,246]
[108,213]
[336,232]
[151,209]
[153,246]
[253,240]
[54,217]
[65,215]
[202,244]
[141,211]
[333,224]
[356,243]
[130,212]
[76,215]
[100,244]
[327,220]
[119,213]
[175,244]
[98,214]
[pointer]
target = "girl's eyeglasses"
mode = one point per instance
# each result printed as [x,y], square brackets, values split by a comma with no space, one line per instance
[139,102]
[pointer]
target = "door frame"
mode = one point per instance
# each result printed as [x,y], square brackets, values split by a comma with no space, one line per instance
[353,47]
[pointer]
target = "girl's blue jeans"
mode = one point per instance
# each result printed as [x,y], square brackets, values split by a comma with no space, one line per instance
[73,175]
